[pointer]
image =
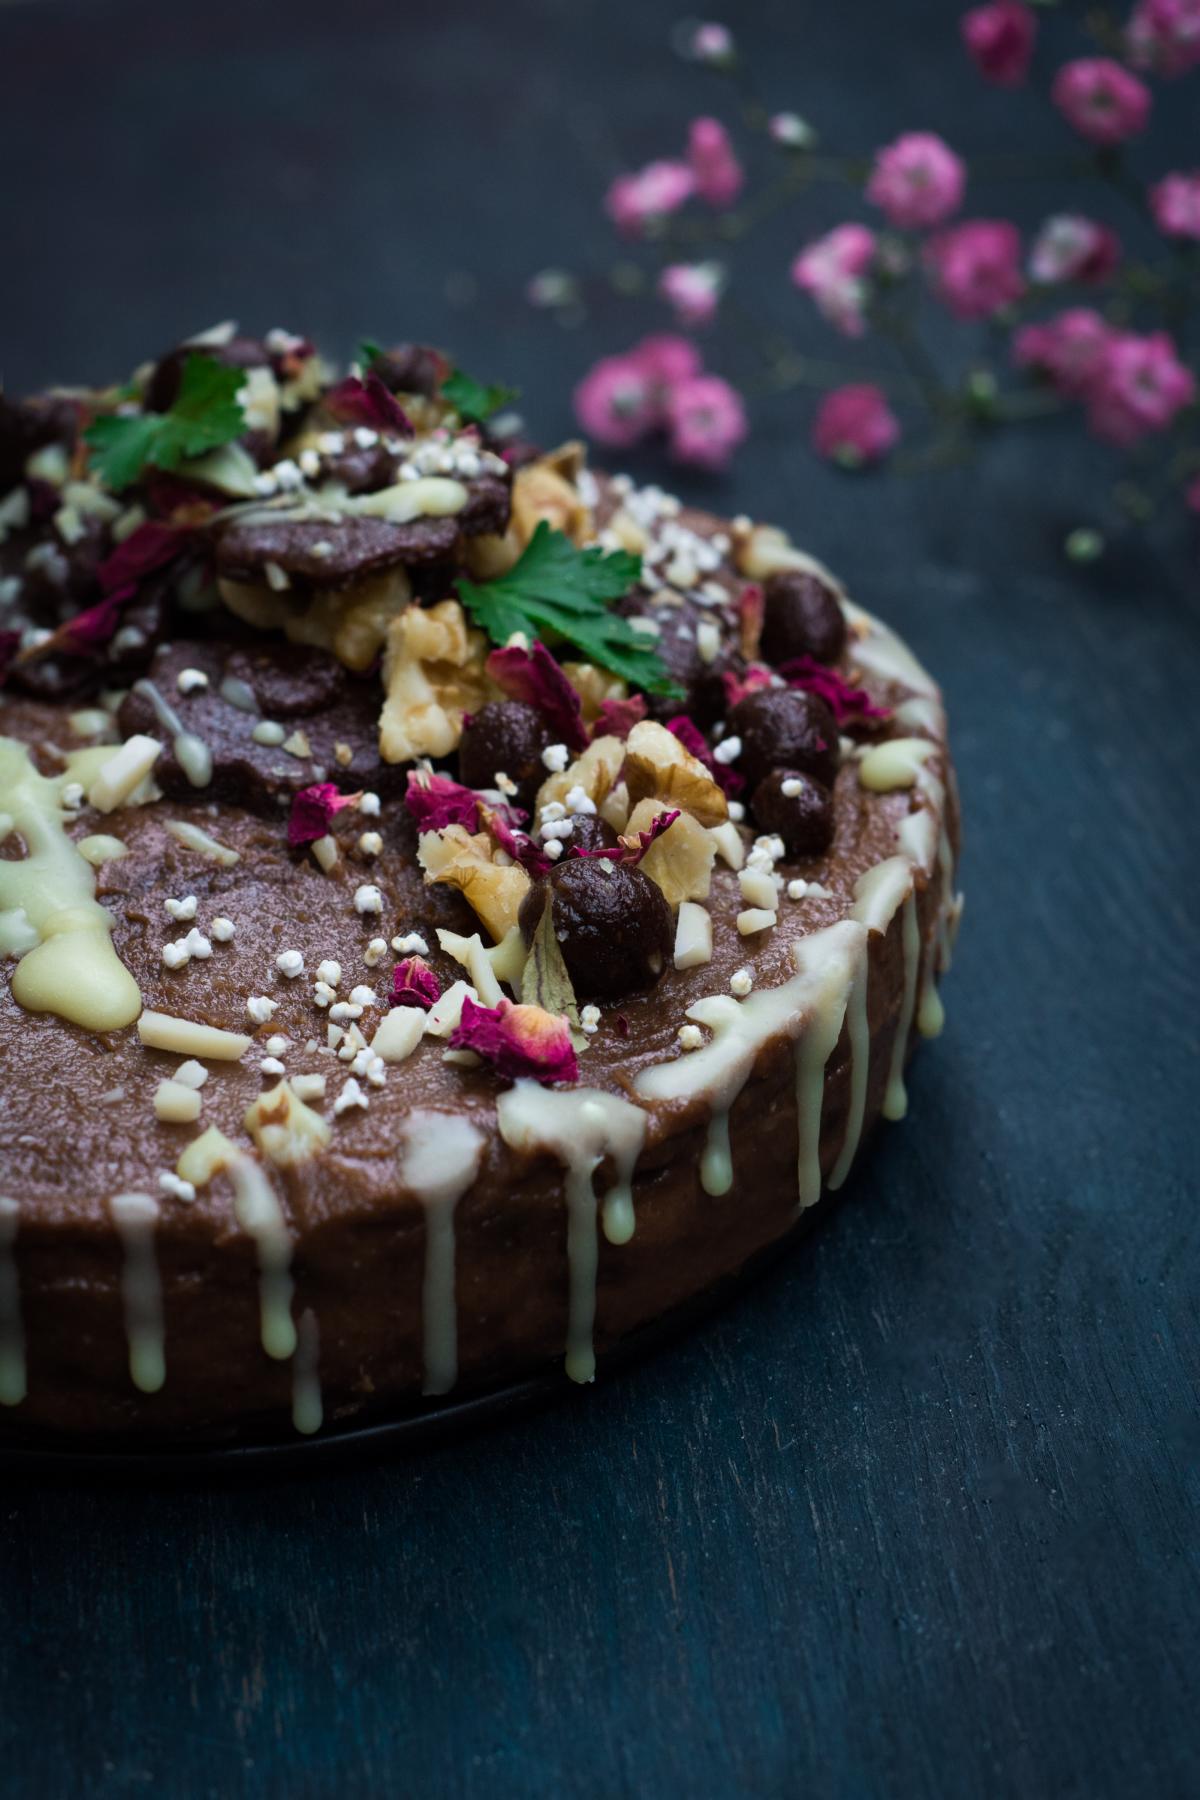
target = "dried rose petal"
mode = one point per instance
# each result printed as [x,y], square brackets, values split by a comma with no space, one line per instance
[617,718]
[517,844]
[415,984]
[635,845]
[738,686]
[367,402]
[518,1040]
[846,702]
[750,607]
[435,802]
[312,812]
[535,677]
[150,547]
[696,744]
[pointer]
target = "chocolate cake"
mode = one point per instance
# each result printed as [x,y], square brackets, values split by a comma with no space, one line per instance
[456,908]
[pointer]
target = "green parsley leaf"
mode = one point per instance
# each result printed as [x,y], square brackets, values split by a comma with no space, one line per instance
[368,353]
[204,415]
[475,400]
[554,591]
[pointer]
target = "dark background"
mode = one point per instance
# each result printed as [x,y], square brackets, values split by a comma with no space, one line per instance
[916,1515]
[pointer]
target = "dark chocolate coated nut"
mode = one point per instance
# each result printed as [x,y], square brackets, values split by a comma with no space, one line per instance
[409,369]
[589,832]
[357,547]
[796,807]
[612,924]
[704,689]
[801,617]
[505,736]
[784,728]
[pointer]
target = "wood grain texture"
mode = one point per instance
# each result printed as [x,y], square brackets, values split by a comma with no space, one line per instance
[917,1514]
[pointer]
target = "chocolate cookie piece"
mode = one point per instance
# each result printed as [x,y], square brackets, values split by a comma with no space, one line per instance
[348,548]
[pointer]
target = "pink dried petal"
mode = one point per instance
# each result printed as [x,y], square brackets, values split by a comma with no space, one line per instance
[499,822]
[617,718]
[367,402]
[518,1040]
[738,686]
[435,802]
[635,845]
[846,702]
[150,547]
[415,984]
[312,812]
[750,605]
[534,677]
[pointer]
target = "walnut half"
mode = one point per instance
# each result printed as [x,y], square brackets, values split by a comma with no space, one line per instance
[433,672]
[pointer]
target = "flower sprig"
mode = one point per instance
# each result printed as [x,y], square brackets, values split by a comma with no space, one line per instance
[1121,348]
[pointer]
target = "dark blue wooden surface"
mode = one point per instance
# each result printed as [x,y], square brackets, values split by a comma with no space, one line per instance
[917,1514]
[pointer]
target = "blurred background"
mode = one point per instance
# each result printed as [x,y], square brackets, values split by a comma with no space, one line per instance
[916,1515]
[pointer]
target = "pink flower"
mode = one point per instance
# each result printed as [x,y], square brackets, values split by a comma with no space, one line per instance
[976,267]
[1164,35]
[1071,248]
[716,171]
[693,289]
[1175,203]
[615,401]
[660,188]
[999,39]
[855,425]
[831,269]
[665,358]
[1069,350]
[918,181]
[1103,101]
[1140,388]
[706,420]
[710,42]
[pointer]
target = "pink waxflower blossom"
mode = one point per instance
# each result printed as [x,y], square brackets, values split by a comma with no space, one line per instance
[976,267]
[1164,35]
[1070,247]
[706,420]
[999,38]
[664,359]
[1175,203]
[918,181]
[693,290]
[1103,101]
[855,425]
[716,172]
[1069,350]
[710,42]
[634,201]
[615,402]
[1140,388]
[832,269]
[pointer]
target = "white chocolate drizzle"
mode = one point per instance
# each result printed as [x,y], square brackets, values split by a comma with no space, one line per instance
[259,1213]
[581,1126]
[895,1099]
[12,1335]
[191,752]
[136,1216]
[308,1411]
[439,1159]
[49,914]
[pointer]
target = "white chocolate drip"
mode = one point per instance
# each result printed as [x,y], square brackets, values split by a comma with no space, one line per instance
[439,1159]
[895,1099]
[191,752]
[581,1126]
[308,1411]
[136,1216]
[12,1336]
[259,1213]
[809,1005]
[238,693]
[882,653]
[49,914]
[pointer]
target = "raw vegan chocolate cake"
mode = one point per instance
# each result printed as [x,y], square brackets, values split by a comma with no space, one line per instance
[455,907]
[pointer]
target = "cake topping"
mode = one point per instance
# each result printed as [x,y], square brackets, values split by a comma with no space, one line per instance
[801,617]
[785,729]
[414,984]
[518,1040]
[611,921]
[798,808]
[513,738]
[534,677]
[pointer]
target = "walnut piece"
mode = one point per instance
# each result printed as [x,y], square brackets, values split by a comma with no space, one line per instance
[680,861]
[542,490]
[596,772]
[658,767]
[463,860]
[433,672]
[350,622]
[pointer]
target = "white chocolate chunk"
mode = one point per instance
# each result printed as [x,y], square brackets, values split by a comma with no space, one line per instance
[162,1031]
[176,1104]
[894,764]
[693,936]
[755,918]
[398,1035]
[124,771]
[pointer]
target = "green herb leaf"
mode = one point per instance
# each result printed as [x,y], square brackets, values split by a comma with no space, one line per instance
[475,400]
[554,591]
[204,415]
[544,978]
[368,353]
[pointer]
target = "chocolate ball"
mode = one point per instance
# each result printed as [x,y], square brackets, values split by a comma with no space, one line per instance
[798,808]
[801,617]
[589,832]
[505,736]
[784,728]
[613,925]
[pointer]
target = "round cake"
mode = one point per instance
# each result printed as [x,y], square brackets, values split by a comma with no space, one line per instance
[457,908]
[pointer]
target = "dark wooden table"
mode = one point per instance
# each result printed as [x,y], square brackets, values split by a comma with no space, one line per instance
[916,1515]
